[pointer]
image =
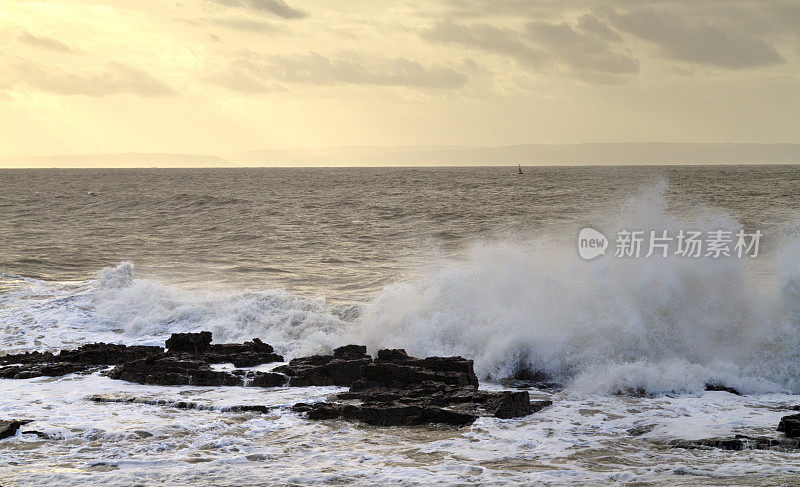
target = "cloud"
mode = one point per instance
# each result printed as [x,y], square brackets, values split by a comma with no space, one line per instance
[697,41]
[117,78]
[585,53]
[245,24]
[251,73]
[275,7]
[486,37]
[246,77]
[45,43]
[591,25]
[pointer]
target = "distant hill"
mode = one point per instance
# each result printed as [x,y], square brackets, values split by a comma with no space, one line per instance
[530,154]
[131,159]
[358,155]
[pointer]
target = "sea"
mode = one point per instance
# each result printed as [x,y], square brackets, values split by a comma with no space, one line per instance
[481,262]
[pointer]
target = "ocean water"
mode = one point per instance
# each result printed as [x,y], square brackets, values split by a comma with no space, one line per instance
[478,262]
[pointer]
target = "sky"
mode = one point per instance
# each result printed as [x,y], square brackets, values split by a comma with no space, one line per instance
[223,76]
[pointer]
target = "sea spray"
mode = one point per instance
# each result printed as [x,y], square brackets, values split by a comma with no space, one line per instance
[612,325]
[116,307]
[647,325]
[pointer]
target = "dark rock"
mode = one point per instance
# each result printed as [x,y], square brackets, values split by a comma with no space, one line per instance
[247,354]
[40,434]
[325,410]
[526,378]
[508,404]
[537,406]
[27,358]
[394,414]
[399,390]
[171,370]
[31,371]
[302,407]
[250,408]
[400,375]
[9,427]
[712,386]
[641,430]
[739,442]
[82,359]
[194,343]
[91,354]
[389,414]
[393,355]
[268,379]
[790,425]
[107,354]
[186,363]
[341,369]
[394,368]
[351,352]
[178,404]
[198,345]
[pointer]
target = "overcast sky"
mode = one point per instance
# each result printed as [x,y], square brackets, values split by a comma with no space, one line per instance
[222,76]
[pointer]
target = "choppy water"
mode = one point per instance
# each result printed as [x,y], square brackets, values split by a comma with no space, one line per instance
[479,262]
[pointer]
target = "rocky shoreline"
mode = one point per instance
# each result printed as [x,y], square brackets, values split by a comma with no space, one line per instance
[390,389]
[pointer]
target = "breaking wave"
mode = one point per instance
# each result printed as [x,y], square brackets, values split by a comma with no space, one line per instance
[613,325]
[115,307]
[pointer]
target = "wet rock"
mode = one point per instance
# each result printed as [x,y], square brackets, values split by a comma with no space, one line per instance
[388,414]
[394,368]
[508,404]
[302,407]
[713,386]
[351,352]
[641,429]
[194,343]
[268,379]
[42,435]
[186,363]
[398,414]
[9,428]
[343,368]
[169,371]
[526,378]
[190,369]
[790,425]
[393,355]
[247,354]
[177,404]
[27,358]
[82,359]
[198,345]
[739,442]
[400,390]
[107,354]
[31,371]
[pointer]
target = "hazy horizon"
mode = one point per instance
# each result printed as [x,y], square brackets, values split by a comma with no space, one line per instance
[428,156]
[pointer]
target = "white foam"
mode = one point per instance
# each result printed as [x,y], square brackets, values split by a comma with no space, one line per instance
[575,440]
[611,325]
[655,324]
[115,307]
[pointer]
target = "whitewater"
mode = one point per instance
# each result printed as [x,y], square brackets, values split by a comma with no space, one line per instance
[633,342]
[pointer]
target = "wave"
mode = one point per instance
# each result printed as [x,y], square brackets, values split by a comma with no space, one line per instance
[118,308]
[651,325]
